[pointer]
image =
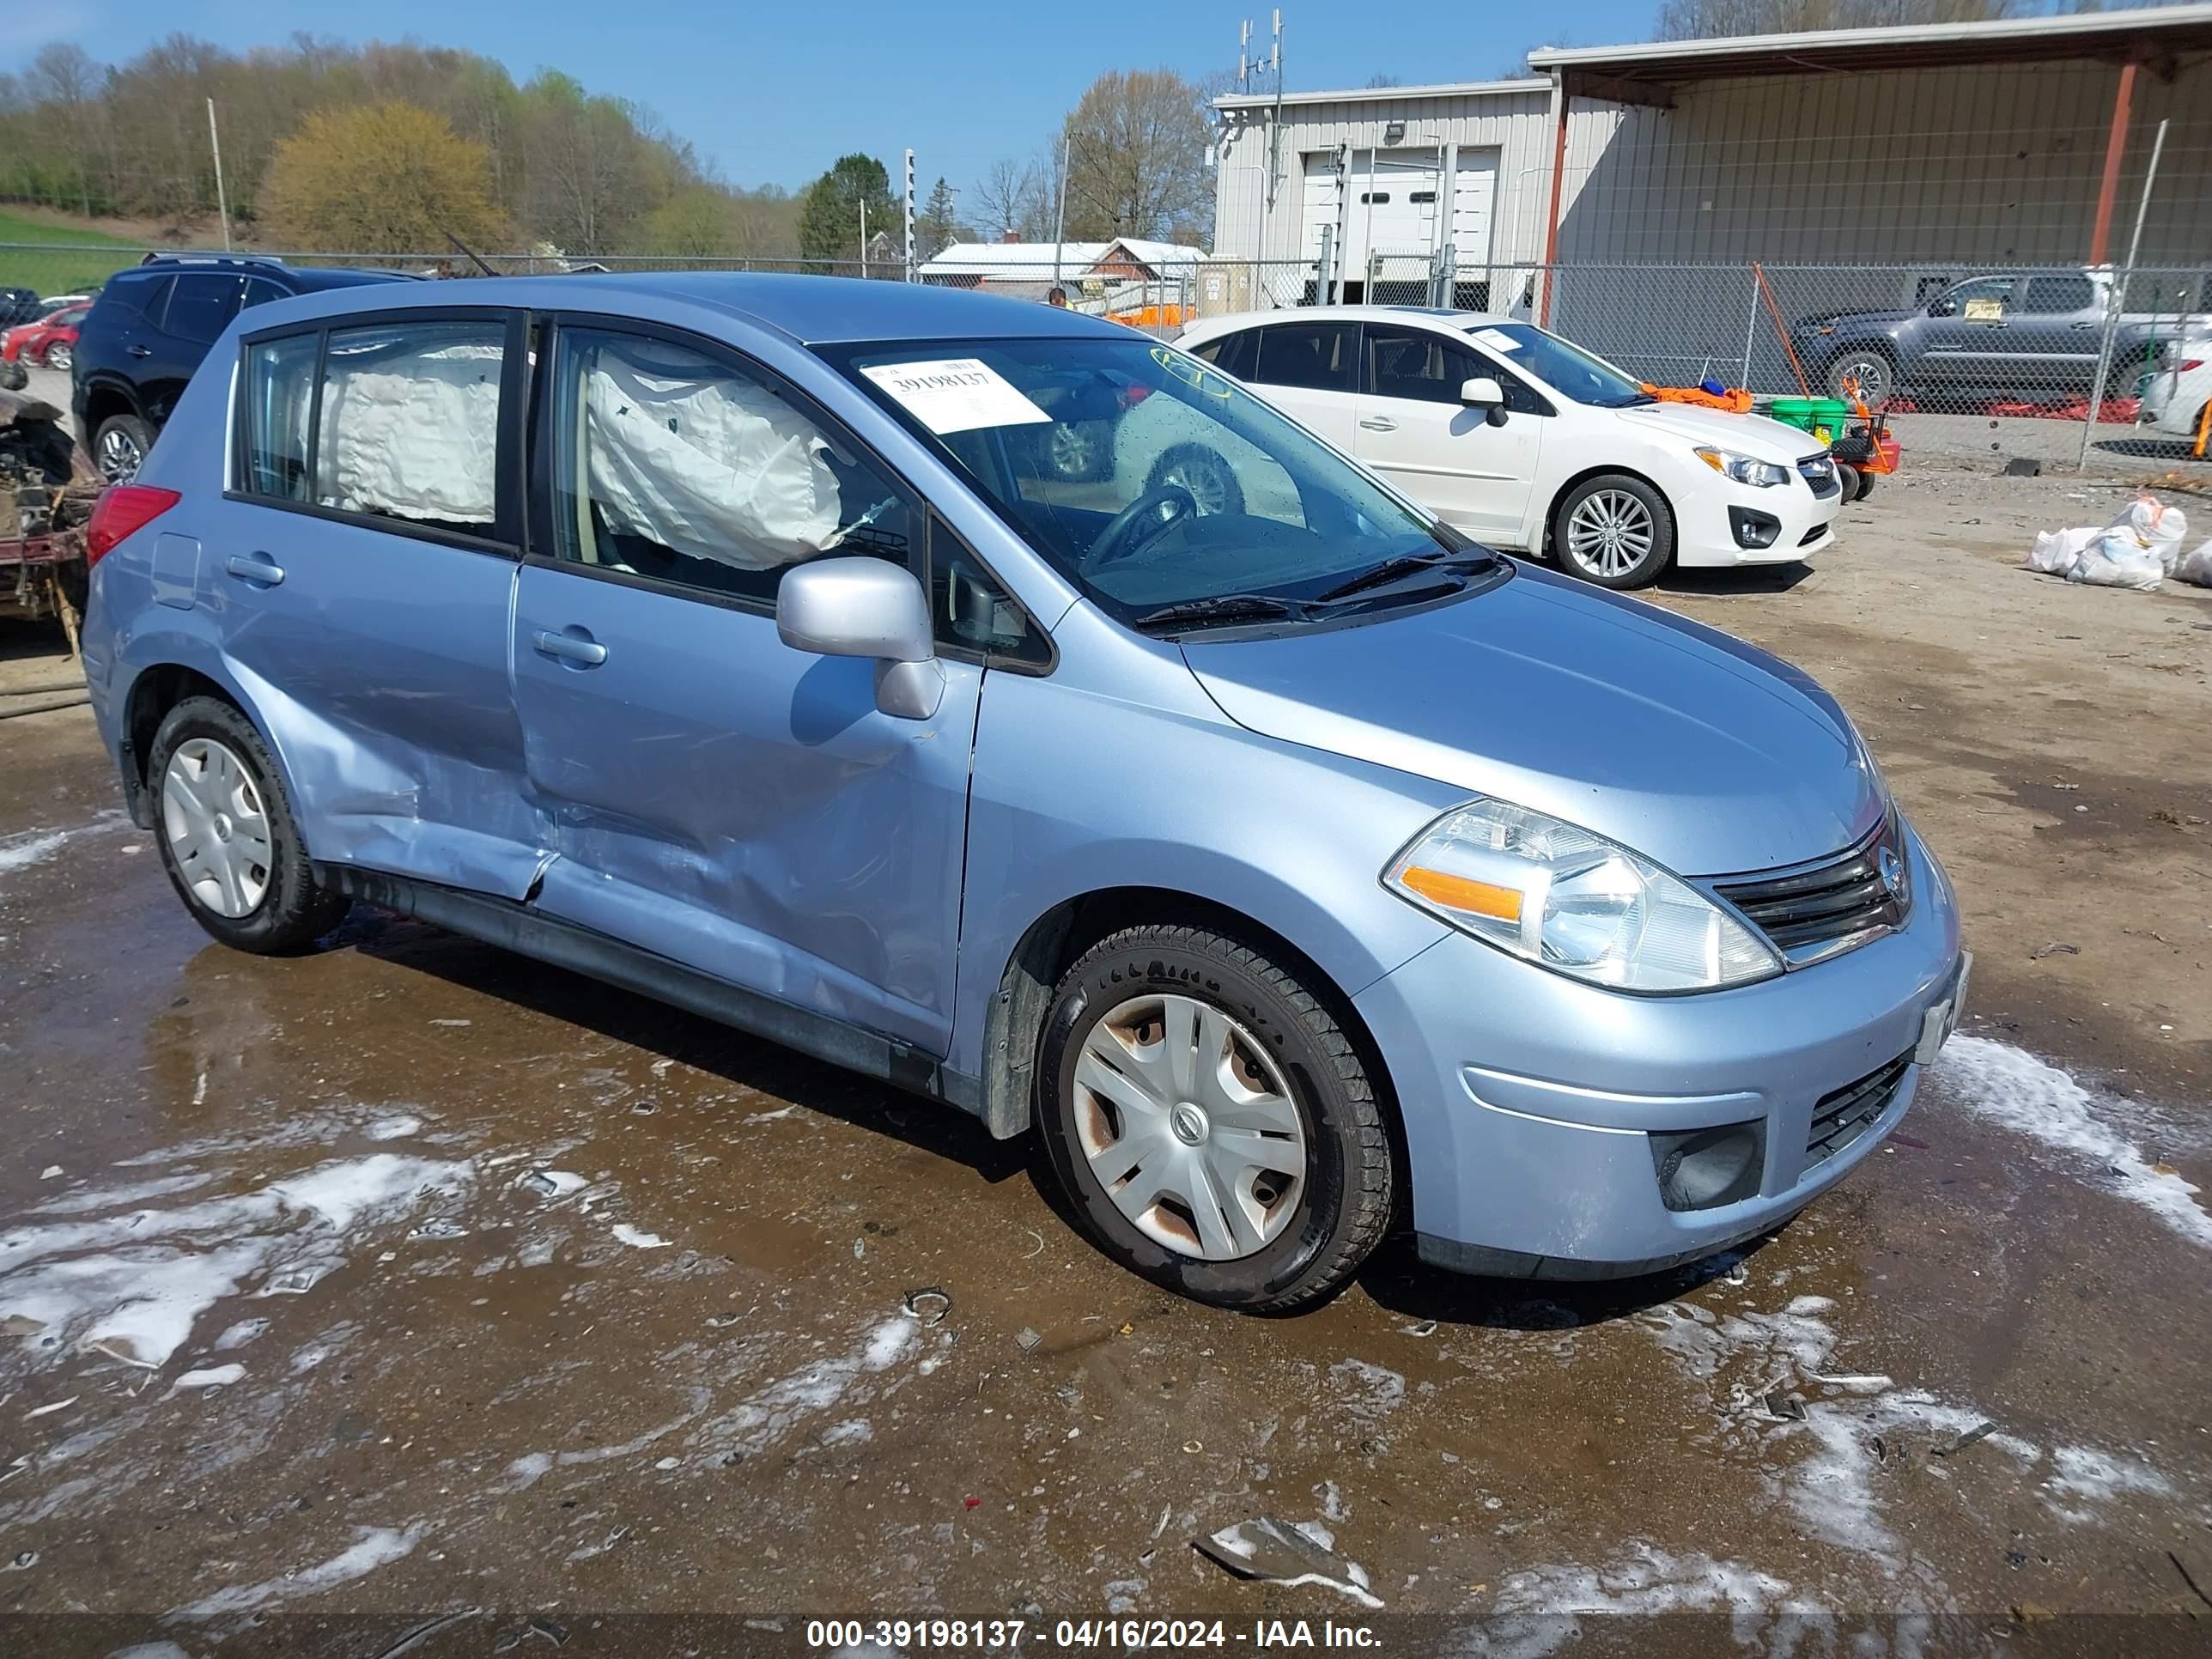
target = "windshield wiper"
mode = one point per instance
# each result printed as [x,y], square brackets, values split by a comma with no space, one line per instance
[1407,564]
[1219,607]
[1633,400]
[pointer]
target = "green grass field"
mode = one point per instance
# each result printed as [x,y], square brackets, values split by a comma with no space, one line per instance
[58,259]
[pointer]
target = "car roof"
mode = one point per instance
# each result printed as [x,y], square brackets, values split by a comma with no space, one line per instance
[1447,318]
[811,310]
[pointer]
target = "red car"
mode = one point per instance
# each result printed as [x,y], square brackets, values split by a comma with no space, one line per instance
[51,340]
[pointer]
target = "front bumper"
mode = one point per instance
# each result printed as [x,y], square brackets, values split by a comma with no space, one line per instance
[1529,1098]
[1704,536]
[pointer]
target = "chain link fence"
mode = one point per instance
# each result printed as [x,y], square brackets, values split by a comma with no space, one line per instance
[1970,358]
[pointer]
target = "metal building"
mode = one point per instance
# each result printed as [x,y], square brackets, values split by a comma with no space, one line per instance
[1932,148]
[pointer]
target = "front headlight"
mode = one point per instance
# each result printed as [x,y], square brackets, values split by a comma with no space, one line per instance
[1744,469]
[1554,894]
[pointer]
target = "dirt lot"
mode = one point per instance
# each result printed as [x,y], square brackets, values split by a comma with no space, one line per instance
[410,1277]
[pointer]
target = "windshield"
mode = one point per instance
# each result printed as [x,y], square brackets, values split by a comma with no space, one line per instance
[1168,495]
[1567,370]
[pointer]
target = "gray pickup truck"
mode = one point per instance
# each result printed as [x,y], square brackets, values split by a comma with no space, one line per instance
[2028,335]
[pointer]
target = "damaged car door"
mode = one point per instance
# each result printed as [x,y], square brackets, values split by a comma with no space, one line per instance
[358,570]
[719,798]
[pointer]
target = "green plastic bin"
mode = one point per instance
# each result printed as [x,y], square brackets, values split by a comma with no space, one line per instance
[1823,417]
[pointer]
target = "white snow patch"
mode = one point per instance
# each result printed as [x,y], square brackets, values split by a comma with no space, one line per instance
[638,1239]
[2014,1090]
[527,1470]
[1373,1388]
[237,1335]
[133,1283]
[1538,1610]
[853,1431]
[775,1409]
[376,1547]
[2085,1476]
[555,1184]
[32,847]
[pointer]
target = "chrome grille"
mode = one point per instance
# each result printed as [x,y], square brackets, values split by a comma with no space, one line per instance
[1828,908]
[1842,1117]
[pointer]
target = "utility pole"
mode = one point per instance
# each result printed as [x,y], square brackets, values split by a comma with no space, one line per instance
[221,203]
[864,238]
[909,215]
[1060,220]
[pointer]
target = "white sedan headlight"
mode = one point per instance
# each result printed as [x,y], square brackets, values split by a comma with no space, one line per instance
[1554,894]
[1744,469]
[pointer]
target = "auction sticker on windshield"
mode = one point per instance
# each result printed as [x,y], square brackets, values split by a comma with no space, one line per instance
[956,394]
[1498,339]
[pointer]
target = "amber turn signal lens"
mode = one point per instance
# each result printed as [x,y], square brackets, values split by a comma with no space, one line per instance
[1475,898]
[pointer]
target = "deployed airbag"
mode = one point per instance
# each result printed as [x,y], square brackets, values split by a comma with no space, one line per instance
[412,433]
[716,467]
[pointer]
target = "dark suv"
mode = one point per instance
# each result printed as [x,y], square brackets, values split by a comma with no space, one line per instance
[149,330]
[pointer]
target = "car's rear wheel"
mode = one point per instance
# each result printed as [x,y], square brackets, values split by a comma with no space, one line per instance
[120,446]
[1212,1121]
[1869,371]
[1206,473]
[1614,530]
[59,356]
[226,834]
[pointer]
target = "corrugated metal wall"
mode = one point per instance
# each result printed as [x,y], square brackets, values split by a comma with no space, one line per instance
[1893,168]
[1897,166]
[1516,124]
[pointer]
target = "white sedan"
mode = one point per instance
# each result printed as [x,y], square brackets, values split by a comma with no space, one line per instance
[2180,392]
[1512,435]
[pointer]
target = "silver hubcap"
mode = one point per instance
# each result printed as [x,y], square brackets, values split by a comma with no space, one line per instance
[1074,448]
[1203,479]
[1610,533]
[58,356]
[119,457]
[1871,375]
[1189,1128]
[218,831]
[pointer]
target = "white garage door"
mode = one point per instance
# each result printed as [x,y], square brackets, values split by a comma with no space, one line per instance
[1388,209]
[1474,199]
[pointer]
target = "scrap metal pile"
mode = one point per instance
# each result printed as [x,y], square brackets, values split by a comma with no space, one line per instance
[47,489]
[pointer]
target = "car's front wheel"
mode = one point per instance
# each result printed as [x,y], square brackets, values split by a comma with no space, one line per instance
[1211,1121]
[228,836]
[59,356]
[1865,371]
[1614,530]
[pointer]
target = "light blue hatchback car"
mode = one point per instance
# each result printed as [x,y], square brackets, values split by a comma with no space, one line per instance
[1294,867]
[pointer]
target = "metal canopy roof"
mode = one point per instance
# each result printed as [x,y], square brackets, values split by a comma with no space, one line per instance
[1647,73]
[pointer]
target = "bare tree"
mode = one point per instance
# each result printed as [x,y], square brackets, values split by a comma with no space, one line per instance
[1006,197]
[1698,20]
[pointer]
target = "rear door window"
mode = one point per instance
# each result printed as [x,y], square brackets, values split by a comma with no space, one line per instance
[202,306]
[1319,356]
[408,426]
[2053,296]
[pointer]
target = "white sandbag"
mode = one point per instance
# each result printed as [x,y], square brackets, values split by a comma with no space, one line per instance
[412,433]
[2116,559]
[2156,527]
[716,468]
[2195,566]
[2055,550]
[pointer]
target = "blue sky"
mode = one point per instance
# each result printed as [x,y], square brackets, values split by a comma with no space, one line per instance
[772,94]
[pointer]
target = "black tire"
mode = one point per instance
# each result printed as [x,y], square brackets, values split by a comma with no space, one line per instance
[293,911]
[1643,569]
[119,440]
[1852,479]
[1206,473]
[1866,486]
[14,376]
[59,355]
[1342,1205]
[1873,368]
[2124,379]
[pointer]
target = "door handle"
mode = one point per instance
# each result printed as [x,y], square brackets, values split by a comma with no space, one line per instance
[2085,324]
[1378,423]
[139,350]
[255,568]
[584,651]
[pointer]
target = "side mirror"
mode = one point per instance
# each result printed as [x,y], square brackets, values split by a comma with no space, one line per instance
[858,607]
[1940,308]
[1481,392]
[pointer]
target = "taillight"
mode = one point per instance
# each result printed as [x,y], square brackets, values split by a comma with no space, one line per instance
[2194,362]
[121,510]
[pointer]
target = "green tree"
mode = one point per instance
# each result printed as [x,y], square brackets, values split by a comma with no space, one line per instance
[829,217]
[1136,166]
[697,221]
[938,226]
[380,178]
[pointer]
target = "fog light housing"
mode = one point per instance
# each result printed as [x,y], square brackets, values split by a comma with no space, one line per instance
[1704,1168]
[1753,528]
